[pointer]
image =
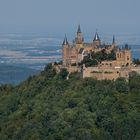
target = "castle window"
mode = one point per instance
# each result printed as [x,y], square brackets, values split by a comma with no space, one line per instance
[120,55]
[127,57]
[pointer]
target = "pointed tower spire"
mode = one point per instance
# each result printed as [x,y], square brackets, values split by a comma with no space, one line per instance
[79,29]
[65,42]
[113,42]
[96,38]
[79,38]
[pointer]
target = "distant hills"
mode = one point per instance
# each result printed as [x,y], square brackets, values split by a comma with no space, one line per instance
[14,74]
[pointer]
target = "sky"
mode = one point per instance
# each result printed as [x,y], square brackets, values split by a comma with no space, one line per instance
[57,17]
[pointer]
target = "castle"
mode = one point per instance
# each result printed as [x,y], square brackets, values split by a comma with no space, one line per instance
[74,54]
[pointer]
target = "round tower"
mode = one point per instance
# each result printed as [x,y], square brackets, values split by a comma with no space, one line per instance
[65,51]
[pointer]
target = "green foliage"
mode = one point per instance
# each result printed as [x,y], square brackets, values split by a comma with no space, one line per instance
[88,61]
[94,58]
[63,74]
[49,71]
[136,61]
[48,107]
[103,55]
[134,82]
[121,85]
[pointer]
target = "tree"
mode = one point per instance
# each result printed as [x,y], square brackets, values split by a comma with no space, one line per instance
[136,61]
[63,73]
[121,85]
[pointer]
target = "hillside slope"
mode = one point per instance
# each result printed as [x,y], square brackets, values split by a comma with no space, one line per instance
[48,107]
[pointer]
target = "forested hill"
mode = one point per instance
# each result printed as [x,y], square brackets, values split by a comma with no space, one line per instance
[48,107]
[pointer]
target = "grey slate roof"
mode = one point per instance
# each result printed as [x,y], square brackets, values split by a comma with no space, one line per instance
[113,42]
[65,42]
[79,29]
[96,38]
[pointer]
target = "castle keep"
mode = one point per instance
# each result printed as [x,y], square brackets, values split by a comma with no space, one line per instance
[74,54]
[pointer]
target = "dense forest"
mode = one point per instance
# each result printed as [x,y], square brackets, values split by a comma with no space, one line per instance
[49,107]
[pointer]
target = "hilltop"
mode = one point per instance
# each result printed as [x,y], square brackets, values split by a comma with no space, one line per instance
[49,107]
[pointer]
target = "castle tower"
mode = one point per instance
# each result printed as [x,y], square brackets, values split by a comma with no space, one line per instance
[127,55]
[79,38]
[113,42]
[123,56]
[65,51]
[113,46]
[119,55]
[96,40]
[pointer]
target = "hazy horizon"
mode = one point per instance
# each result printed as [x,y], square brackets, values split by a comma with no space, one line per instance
[53,17]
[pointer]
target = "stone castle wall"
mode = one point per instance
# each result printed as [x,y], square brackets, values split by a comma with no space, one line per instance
[101,73]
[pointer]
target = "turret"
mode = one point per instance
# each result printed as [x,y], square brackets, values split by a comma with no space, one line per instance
[65,42]
[65,51]
[79,29]
[127,54]
[97,40]
[113,41]
[123,56]
[126,47]
[113,46]
[79,39]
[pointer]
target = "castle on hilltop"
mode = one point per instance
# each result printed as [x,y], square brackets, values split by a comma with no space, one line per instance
[75,53]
